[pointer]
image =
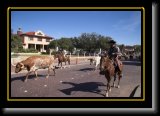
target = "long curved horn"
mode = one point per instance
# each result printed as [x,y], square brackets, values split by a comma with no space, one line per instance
[22,65]
[12,62]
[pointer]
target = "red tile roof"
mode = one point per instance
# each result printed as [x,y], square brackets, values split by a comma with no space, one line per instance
[29,33]
[33,34]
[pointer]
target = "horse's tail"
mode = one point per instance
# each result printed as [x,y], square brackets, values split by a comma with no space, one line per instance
[67,58]
[69,61]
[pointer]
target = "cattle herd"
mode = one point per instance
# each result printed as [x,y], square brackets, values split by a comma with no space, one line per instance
[33,63]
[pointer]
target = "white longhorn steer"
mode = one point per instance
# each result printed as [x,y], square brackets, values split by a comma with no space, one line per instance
[97,61]
[33,63]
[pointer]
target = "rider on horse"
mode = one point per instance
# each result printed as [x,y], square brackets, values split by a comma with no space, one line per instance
[114,53]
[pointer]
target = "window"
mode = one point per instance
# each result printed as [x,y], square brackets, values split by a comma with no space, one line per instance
[30,38]
[39,39]
[47,40]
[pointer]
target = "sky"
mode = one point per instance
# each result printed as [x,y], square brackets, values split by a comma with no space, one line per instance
[122,26]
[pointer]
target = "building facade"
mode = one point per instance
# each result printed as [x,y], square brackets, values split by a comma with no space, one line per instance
[129,50]
[35,40]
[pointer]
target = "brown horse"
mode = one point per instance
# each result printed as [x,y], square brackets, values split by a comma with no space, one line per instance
[62,58]
[108,69]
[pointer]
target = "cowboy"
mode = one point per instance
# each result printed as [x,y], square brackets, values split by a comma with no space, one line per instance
[64,53]
[114,53]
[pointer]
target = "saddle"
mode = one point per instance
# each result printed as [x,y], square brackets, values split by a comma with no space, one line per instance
[117,63]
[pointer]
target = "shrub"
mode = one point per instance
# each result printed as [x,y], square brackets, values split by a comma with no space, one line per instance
[53,52]
[31,50]
[44,53]
[21,50]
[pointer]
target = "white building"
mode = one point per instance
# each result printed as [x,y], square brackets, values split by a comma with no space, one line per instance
[37,40]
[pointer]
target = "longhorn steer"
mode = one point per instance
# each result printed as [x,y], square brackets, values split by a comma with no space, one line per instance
[95,61]
[33,63]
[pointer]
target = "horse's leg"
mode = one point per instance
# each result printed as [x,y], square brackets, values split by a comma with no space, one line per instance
[108,89]
[108,85]
[69,62]
[58,63]
[61,65]
[114,80]
[91,62]
[120,76]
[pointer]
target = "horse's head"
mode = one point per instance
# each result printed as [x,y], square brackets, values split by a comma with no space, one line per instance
[102,67]
[59,56]
[103,60]
[56,55]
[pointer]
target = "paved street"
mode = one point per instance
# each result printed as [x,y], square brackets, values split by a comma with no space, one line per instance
[77,81]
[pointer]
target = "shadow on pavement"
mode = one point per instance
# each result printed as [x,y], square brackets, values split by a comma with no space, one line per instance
[132,63]
[22,78]
[84,87]
[134,92]
[86,69]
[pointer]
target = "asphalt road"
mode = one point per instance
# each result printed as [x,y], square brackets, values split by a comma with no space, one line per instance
[77,81]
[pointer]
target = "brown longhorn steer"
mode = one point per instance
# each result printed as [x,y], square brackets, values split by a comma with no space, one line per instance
[33,63]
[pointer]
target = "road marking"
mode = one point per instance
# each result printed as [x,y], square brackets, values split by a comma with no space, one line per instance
[25,91]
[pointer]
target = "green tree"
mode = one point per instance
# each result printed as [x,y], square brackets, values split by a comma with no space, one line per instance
[53,44]
[65,43]
[137,48]
[86,41]
[122,47]
[93,41]
[104,42]
[16,43]
[76,42]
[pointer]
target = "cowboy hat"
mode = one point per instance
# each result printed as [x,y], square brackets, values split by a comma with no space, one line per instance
[112,41]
